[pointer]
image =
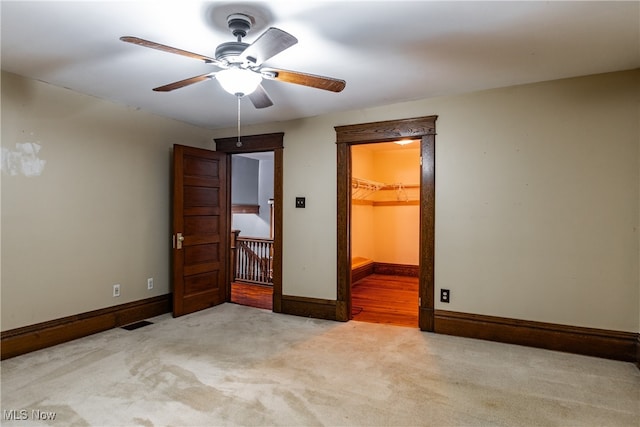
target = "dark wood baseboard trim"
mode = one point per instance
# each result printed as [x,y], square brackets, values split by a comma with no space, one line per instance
[396,269]
[389,269]
[607,344]
[638,351]
[343,312]
[361,272]
[309,307]
[425,319]
[23,340]
[277,302]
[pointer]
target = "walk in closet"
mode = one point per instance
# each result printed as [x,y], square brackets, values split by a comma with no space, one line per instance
[385,224]
[385,199]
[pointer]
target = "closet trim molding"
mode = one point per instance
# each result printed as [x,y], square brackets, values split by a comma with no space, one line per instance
[423,128]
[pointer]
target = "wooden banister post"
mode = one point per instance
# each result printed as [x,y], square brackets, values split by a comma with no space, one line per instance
[234,239]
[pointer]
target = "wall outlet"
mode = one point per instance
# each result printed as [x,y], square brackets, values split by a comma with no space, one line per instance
[150,283]
[445,295]
[116,290]
[300,202]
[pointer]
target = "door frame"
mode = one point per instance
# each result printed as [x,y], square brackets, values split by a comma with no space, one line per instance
[255,144]
[387,131]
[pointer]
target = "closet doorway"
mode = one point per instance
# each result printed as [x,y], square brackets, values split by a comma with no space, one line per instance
[385,225]
[422,129]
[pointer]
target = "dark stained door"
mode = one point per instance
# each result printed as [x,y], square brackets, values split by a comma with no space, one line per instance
[200,241]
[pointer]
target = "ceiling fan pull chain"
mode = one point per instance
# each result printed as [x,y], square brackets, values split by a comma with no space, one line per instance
[239,143]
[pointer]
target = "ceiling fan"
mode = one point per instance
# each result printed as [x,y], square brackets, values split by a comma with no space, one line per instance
[241,64]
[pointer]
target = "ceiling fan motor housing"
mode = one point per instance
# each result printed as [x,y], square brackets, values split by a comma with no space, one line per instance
[239,24]
[230,52]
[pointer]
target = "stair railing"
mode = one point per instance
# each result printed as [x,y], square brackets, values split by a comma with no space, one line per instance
[253,260]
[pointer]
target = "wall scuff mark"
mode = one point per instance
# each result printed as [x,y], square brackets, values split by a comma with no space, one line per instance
[23,160]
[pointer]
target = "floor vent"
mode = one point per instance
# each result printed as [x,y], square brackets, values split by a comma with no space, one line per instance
[137,325]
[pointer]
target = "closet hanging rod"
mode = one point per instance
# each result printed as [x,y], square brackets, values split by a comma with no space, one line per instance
[366,184]
[361,188]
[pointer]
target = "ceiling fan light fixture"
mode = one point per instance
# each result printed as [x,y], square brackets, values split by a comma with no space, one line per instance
[238,81]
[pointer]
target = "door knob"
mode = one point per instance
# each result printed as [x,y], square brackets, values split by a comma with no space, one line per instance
[180,240]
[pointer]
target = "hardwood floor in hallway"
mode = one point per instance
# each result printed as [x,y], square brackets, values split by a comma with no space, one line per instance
[252,295]
[391,300]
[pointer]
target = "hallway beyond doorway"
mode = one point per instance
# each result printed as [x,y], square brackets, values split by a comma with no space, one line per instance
[252,295]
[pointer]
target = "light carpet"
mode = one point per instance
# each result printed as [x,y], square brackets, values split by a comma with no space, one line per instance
[235,365]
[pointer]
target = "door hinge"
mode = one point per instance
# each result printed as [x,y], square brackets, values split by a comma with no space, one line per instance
[420,160]
[419,301]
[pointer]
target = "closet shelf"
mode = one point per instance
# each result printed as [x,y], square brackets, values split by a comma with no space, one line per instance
[386,202]
[363,188]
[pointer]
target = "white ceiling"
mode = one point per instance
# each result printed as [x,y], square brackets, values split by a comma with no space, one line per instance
[387,51]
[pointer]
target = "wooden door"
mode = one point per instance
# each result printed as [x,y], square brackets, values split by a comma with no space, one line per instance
[200,231]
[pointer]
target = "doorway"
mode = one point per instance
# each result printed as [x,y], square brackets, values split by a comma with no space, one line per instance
[423,129]
[384,232]
[252,229]
[273,144]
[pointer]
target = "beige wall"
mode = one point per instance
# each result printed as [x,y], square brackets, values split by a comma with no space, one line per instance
[537,201]
[535,212]
[97,215]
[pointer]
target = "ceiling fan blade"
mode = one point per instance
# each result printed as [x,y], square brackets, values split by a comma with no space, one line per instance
[269,44]
[183,83]
[311,80]
[164,48]
[260,98]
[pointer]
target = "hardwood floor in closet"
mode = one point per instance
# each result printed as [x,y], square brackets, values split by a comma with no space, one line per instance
[386,299]
[252,295]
